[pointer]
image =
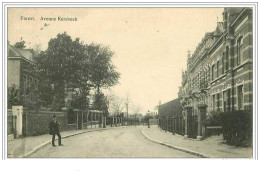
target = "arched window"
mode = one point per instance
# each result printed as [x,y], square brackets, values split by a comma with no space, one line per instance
[212,72]
[239,50]
[227,58]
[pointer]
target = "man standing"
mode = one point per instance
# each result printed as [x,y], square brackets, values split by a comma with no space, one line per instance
[54,130]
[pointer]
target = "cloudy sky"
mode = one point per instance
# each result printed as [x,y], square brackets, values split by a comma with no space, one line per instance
[150,44]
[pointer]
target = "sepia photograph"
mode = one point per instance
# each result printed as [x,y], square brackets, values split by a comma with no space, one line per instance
[130,82]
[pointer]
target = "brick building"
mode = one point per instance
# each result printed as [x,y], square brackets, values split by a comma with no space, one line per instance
[219,73]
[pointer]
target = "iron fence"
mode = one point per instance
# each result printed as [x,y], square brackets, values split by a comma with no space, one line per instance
[172,124]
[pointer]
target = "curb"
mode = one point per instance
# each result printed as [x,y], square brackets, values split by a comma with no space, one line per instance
[176,148]
[46,143]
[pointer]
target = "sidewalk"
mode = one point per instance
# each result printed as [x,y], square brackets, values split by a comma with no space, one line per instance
[24,147]
[212,147]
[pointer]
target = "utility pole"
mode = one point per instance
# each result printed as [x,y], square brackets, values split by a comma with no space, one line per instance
[127,104]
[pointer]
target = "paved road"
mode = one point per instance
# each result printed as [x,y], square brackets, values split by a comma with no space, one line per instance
[124,142]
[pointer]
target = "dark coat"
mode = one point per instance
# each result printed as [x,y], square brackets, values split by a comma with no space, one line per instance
[54,127]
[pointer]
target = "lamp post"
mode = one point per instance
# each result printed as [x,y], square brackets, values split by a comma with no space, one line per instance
[148,116]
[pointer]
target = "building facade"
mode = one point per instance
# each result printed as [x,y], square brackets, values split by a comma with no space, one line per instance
[20,66]
[219,75]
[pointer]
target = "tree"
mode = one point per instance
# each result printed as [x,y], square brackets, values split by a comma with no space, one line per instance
[20,44]
[13,96]
[115,104]
[72,64]
[103,73]
[127,104]
[136,109]
[60,65]
[37,48]
[32,100]
[80,99]
[100,103]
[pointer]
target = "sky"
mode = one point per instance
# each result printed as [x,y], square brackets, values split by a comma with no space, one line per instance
[150,44]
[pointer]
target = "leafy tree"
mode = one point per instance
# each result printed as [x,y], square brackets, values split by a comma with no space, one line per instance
[60,65]
[20,44]
[45,93]
[70,63]
[32,100]
[103,73]
[100,103]
[80,99]
[13,96]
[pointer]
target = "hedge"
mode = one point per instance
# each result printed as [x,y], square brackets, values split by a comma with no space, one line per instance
[237,126]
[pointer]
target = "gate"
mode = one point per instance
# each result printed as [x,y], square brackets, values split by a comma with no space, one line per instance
[24,126]
[72,117]
[193,127]
[80,121]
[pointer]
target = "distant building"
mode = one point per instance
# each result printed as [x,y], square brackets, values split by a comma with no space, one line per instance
[20,64]
[220,71]
[172,108]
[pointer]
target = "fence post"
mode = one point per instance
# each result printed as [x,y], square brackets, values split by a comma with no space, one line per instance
[112,122]
[173,128]
[18,112]
[82,119]
[174,125]
[188,119]
[87,120]
[166,124]
[181,125]
[201,118]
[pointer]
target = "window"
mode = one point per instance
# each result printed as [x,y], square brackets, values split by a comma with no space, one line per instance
[213,102]
[208,78]
[227,58]
[213,71]
[218,69]
[240,97]
[223,63]
[239,50]
[218,102]
[24,83]
[225,101]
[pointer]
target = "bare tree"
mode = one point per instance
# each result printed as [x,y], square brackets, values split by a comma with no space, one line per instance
[136,109]
[127,104]
[114,103]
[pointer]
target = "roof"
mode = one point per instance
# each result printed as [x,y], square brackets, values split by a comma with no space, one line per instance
[29,54]
[219,29]
[171,108]
[233,12]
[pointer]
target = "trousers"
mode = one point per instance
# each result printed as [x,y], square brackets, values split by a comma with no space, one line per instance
[53,138]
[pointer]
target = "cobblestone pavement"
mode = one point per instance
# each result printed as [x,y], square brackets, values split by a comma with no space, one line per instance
[124,142]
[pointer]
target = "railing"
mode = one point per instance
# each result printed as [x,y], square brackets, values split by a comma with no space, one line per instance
[114,121]
[172,124]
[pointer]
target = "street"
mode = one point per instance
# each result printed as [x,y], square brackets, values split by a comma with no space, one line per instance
[113,143]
